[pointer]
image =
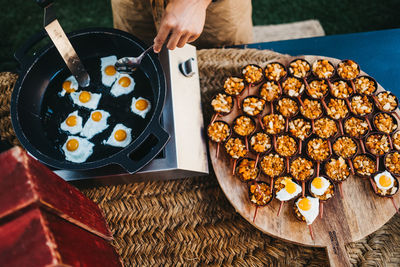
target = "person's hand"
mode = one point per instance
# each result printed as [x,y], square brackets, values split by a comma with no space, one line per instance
[182,21]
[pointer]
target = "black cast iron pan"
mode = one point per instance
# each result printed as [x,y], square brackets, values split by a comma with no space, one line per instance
[34,100]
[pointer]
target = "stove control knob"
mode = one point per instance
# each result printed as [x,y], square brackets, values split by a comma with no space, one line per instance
[187,68]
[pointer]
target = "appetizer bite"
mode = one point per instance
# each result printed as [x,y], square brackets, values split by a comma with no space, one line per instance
[346,148]
[318,89]
[338,170]
[234,86]
[285,189]
[323,189]
[274,123]
[306,209]
[337,110]
[385,123]
[299,68]
[318,150]
[348,69]
[219,132]
[387,102]
[260,194]
[252,75]
[365,85]
[244,126]
[222,104]
[362,106]
[247,170]
[275,71]
[392,162]
[356,128]
[293,87]
[301,129]
[323,69]
[377,144]
[312,110]
[326,128]
[364,165]
[272,165]
[288,107]
[286,146]
[301,170]
[385,185]
[341,89]
[260,143]
[236,149]
[270,91]
[253,106]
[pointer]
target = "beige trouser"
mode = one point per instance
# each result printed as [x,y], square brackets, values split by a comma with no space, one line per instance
[228,22]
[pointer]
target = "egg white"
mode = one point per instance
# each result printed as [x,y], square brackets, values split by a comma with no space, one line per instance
[91,104]
[378,176]
[111,140]
[92,127]
[141,113]
[72,129]
[74,85]
[311,214]
[322,190]
[118,90]
[108,80]
[284,195]
[82,153]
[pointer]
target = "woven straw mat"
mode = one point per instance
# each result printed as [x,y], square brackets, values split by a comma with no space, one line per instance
[189,221]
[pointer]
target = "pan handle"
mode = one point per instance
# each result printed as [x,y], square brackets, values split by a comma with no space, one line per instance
[131,165]
[21,54]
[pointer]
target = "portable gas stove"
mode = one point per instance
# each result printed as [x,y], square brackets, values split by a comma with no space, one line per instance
[185,155]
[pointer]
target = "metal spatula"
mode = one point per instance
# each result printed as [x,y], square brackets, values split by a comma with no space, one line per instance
[63,45]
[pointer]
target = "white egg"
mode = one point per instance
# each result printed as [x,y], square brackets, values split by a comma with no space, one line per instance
[86,99]
[70,85]
[291,190]
[319,185]
[72,124]
[108,72]
[384,180]
[120,136]
[124,85]
[140,106]
[96,123]
[309,208]
[77,149]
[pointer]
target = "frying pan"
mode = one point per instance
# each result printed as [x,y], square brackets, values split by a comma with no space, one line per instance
[37,73]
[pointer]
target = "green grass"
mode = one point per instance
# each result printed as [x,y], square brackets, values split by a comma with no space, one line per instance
[21,18]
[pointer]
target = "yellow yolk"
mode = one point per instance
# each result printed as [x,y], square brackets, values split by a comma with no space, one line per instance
[72,145]
[67,87]
[96,116]
[384,181]
[304,204]
[141,104]
[120,135]
[110,70]
[317,183]
[290,187]
[124,81]
[84,97]
[71,121]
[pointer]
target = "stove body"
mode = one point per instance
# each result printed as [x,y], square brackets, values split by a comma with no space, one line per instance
[185,155]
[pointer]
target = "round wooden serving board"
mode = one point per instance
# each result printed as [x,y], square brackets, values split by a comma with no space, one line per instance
[359,213]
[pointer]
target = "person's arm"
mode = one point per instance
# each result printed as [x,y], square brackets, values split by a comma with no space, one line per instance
[183,21]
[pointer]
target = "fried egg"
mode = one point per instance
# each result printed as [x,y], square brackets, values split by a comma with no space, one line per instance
[86,99]
[77,149]
[96,123]
[319,185]
[140,106]
[72,124]
[70,85]
[120,136]
[108,72]
[290,190]
[124,85]
[384,180]
[309,208]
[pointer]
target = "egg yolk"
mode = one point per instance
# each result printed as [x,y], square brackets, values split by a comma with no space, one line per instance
[290,187]
[141,104]
[120,135]
[110,70]
[96,116]
[84,97]
[317,183]
[385,181]
[124,81]
[67,87]
[304,204]
[71,121]
[72,145]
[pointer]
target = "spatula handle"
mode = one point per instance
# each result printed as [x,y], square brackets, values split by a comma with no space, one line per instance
[44,3]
